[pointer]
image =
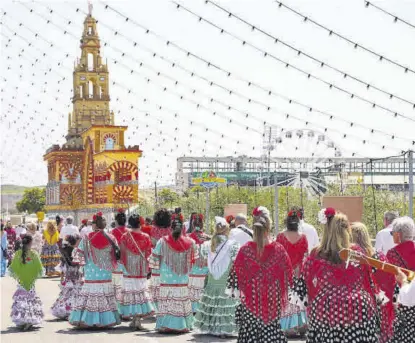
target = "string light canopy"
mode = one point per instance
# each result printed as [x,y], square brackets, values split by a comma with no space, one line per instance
[355,44]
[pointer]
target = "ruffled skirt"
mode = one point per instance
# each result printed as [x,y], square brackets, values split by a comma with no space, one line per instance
[174,309]
[51,258]
[254,330]
[70,290]
[216,314]
[95,306]
[135,298]
[27,308]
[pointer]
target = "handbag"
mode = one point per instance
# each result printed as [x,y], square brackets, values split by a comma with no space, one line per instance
[117,251]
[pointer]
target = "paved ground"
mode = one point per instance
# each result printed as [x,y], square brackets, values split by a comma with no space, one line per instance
[61,332]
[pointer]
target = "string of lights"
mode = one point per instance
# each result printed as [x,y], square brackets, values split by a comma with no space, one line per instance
[264,53]
[131,95]
[50,21]
[356,45]
[250,83]
[322,63]
[246,114]
[396,19]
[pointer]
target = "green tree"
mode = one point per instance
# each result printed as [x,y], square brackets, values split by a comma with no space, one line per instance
[33,200]
[167,197]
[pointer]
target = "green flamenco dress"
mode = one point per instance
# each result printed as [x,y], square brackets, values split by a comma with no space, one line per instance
[216,313]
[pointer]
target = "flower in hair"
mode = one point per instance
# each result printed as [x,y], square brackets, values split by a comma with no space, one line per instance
[121,210]
[84,221]
[294,214]
[260,211]
[229,218]
[325,214]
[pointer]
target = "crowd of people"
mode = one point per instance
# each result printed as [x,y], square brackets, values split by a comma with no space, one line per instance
[238,280]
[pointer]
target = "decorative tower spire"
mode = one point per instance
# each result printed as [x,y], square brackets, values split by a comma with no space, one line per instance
[91,85]
[90,7]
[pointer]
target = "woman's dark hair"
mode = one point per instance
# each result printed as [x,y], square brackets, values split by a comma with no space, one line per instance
[134,221]
[58,219]
[26,240]
[293,221]
[121,218]
[72,239]
[177,227]
[100,223]
[190,229]
[149,220]
[162,218]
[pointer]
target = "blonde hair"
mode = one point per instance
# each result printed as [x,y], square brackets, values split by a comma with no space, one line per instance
[360,236]
[220,229]
[261,227]
[51,227]
[335,238]
[31,226]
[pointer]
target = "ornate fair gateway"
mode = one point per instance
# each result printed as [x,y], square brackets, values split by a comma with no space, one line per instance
[93,170]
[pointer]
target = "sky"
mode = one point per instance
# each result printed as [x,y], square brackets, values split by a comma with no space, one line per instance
[209,113]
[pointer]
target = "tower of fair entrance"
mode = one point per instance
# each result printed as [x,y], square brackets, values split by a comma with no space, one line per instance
[93,170]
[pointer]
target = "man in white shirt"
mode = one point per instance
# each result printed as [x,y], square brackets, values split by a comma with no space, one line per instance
[307,229]
[384,239]
[241,233]
[68,230]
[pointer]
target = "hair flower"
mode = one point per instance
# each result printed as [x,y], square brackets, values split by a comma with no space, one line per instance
[325,214]
[120,210]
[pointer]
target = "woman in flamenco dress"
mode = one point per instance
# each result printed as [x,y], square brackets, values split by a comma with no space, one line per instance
[386,281]
[341,297]
[216,313]
[26,268]
[200,268]
[172,260]
[135,302]
[403,255]
[260,278]
[96,306]
[294,319]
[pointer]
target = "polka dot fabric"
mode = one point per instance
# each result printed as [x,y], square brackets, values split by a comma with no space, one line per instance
[404,330]
[253,329]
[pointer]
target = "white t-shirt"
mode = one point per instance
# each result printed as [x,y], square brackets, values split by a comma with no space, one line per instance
[68,230]
[85,231]
[311,234]
[240,236]
[384,240]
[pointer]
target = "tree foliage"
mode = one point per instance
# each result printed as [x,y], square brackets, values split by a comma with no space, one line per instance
[33,200]
[195,201]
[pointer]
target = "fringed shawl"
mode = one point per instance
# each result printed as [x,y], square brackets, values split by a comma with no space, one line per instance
[263,282]
[26,273]
[340,286]
[297,251]
[179,255]
[98,248]
[135,252]
[118,232]
[403,255]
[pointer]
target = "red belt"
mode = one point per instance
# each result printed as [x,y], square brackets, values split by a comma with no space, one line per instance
[98,281]
[174,285]
[135,277]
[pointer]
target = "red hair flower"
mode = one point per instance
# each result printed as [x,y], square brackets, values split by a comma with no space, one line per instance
[84,221]
[256,212]
[329,212]
[142,221]
[229,218]
[120,210]
[99,214]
